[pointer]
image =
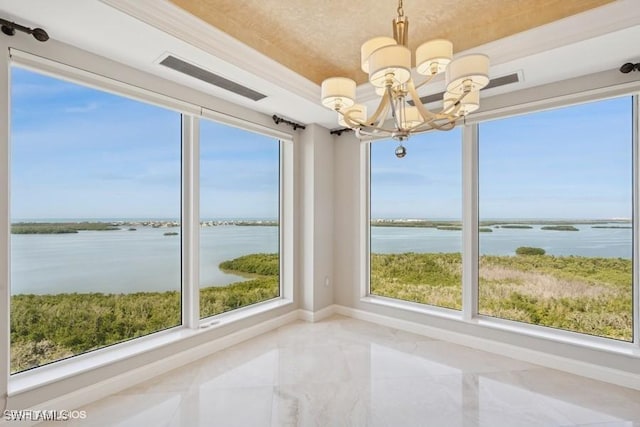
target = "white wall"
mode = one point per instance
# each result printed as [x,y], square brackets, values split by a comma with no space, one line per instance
[317,147]
[347,219]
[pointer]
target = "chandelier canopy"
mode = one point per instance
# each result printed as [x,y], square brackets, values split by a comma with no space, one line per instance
[388,62]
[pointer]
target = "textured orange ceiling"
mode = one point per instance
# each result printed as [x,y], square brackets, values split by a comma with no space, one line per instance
[322,38]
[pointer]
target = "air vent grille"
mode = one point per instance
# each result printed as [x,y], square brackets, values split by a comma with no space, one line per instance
[211,78]
[497,82]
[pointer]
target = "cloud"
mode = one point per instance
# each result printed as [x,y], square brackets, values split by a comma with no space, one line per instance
[91,106]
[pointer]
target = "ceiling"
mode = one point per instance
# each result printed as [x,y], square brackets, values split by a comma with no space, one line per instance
[140,33]
[321,39]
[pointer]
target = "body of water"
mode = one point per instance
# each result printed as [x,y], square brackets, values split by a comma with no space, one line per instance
[125,261]
[588,241]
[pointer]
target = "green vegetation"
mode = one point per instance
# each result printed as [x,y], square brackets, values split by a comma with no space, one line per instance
[559,228]
[611,226]
[556,222]
[485,230]
[45,328]
[261,264]
[414,224]
[257,223]
[425,278]
[59,227]
[524,224]
[449,227]
[528,250]
[216,300]
[171,233]
[588,295]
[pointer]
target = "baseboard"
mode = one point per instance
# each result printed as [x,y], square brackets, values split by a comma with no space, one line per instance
[102,389]
[316,316]
[597,372]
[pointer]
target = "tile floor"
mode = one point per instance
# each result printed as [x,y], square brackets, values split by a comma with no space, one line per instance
[346,372]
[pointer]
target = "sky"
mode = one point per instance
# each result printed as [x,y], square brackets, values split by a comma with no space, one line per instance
[78,152]
[569,163]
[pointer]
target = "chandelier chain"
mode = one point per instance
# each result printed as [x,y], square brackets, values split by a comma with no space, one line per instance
[400,9]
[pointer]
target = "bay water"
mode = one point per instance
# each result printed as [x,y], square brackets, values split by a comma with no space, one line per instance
[147,260]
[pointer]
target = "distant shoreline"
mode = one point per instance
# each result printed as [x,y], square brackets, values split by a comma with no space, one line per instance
[523,224]
[70,227]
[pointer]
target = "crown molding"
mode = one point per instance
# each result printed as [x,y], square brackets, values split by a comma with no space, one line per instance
[586,25]
[169,18]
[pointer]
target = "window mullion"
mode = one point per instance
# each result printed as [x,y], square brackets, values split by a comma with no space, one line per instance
[4,227]
[190,222]
[636,218]
[470,222]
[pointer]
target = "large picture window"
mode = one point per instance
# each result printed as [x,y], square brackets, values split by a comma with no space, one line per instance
[240,212]
[95,213]
[555,188]
[415,230]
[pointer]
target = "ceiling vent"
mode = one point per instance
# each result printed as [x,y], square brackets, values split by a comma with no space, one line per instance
[211,78]
[497,82]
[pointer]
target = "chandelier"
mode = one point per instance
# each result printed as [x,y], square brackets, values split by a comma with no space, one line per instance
[388,62]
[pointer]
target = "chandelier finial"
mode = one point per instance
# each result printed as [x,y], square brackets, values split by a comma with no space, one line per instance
[401,27]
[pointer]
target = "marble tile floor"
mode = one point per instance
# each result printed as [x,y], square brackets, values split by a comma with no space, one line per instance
[346,372]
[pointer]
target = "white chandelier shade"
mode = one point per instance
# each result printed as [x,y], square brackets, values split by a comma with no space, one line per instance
[433,55]
[338,93]
[371,45]
[468,104]
[468,70]
[388,62]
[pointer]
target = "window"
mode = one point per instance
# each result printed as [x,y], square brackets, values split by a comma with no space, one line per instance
[239,211]
[415,231]
[95,212]
[555,189]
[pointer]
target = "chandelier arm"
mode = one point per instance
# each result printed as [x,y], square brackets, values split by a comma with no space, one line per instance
[422,127]
[376,132]
[426,114]
[433,124]
[450,124]
[360,134]
[365,126]
[426,81]
[380,111]
[383,116]
[379,127]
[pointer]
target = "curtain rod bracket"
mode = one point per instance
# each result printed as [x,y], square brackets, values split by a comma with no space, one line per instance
[294,125]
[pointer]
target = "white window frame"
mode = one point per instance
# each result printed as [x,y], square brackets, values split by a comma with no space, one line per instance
[75,71]
[285,210]
[470,225]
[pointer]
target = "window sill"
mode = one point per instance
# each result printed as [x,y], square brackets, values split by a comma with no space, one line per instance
[413,307]
[608,345]
[576,339]
[47,374]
